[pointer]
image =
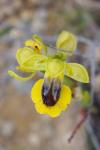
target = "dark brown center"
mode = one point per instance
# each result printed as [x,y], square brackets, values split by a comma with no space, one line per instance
[51,92]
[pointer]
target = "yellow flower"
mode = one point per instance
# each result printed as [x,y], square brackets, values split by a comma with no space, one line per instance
[53,110]
[49,95]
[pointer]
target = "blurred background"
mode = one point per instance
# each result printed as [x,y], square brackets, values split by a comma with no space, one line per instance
[21,128]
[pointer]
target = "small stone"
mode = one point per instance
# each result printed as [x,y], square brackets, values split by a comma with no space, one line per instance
[7,128]
[34,139]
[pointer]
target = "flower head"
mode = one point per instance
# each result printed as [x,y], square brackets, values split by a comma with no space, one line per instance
[49,100]
[49,95]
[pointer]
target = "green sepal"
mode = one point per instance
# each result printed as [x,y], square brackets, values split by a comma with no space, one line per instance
[77,72]
[66,41]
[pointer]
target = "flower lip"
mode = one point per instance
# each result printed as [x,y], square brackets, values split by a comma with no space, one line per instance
[52,111]
[51,92]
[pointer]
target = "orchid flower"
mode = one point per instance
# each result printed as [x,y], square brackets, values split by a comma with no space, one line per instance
[49,95]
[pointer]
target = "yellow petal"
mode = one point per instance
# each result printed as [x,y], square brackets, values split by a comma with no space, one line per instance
[53,111]
[77,72]
[37,47]
[37,39]
[40,108]
[36,91]
[30,43]
[37,44]
[23,54]
[65,97]
[66,41]
[25,69]
[17,77]
[36,62]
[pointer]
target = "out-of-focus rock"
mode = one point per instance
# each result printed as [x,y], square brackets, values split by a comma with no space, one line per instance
[38,23]
[7,129]
[34,139]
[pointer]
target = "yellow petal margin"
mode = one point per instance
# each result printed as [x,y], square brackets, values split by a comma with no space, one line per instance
[65,97]
[52,111]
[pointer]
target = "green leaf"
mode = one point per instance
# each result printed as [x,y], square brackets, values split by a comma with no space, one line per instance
[77,72]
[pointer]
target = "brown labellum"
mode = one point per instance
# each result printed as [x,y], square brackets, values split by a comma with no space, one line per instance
[51,91]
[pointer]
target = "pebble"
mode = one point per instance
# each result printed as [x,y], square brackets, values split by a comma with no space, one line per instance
[7,128]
